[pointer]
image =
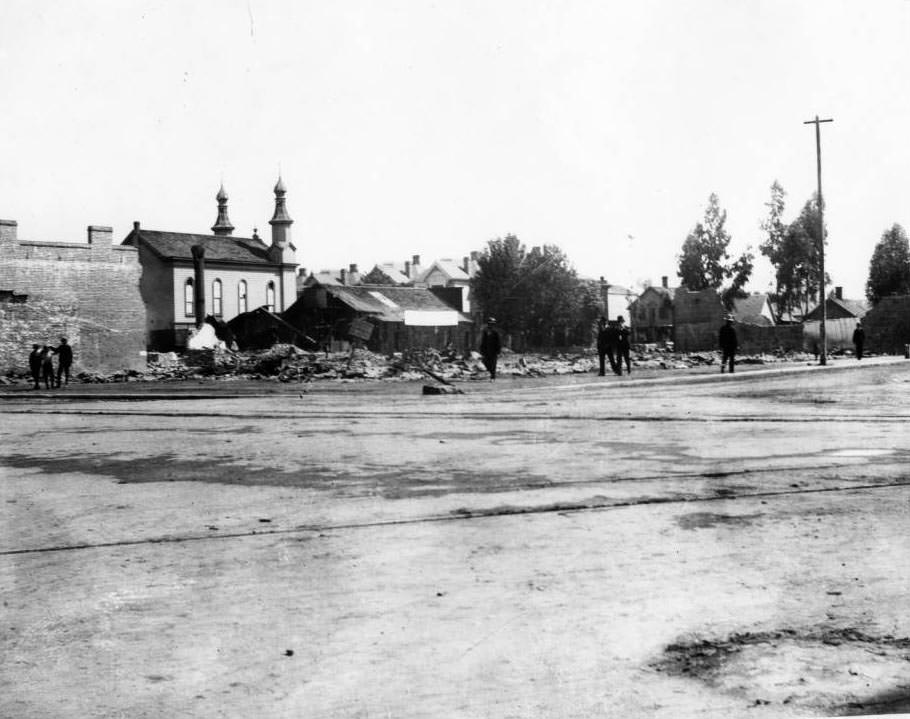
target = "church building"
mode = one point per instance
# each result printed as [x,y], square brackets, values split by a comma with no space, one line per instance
[186,277]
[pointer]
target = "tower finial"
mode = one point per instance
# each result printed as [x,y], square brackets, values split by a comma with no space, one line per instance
[223,224]
[281,222]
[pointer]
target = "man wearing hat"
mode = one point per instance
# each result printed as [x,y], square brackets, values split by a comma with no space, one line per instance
[490,347]
[606,345]
[728,344]
[623,345]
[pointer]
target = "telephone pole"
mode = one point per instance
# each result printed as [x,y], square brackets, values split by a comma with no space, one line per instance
[822,337]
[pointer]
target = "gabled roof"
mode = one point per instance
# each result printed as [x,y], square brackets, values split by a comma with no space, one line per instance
[668,292]
[450,268]
[324,277]
[218,248]
[394,272]
[752,309]
[390,303]
[841,308]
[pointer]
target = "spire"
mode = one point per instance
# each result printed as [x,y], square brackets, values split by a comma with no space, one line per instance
[281,222]
[223,224]
[281,213]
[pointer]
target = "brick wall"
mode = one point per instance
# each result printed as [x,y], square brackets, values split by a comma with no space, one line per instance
[88,293]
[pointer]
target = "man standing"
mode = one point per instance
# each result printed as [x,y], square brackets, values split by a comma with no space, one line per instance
[34,364]
[64,360]
[606,345]
[623,345]
[47,366]
[728,344]
[490,346]
[859,339]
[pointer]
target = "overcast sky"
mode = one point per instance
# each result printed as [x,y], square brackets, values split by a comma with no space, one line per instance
[428,128]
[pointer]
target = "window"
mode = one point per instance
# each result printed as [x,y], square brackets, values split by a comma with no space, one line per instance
[241,297]
[217,305]
[270,296]
[188,297]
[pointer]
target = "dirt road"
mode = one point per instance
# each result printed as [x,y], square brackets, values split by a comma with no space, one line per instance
[711,546]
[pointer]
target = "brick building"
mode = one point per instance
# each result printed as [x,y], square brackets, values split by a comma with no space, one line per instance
[230,275]
[87,292]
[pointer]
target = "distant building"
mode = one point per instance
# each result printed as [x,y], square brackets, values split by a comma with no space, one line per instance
[840,321]
[401,317]
[651,314]
[229,276]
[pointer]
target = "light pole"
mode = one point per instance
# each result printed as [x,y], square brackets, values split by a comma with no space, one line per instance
[822,337]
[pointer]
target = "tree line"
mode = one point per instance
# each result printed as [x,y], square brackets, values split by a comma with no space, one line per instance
[538,298]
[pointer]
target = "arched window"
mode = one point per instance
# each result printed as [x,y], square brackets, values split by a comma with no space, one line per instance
[217,305]
[241,297]
[270,296]
[188,297]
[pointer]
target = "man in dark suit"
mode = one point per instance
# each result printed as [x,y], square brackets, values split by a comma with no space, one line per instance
[490,347]
[728,343]
[64,360]
[34,364]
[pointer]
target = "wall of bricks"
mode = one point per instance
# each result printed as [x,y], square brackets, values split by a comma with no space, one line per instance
[88,293]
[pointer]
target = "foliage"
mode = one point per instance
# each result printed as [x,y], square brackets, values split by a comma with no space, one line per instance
[790,254]
[889,269]
[704,262]
[531,293]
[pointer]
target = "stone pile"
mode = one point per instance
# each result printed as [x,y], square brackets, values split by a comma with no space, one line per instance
[288,363]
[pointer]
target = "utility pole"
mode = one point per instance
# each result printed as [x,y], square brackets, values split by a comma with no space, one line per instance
[823,356]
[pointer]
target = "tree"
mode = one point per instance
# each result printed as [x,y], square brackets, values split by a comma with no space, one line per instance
[705,263]
[793,251]
[531,294]
[804,245]
[889,269]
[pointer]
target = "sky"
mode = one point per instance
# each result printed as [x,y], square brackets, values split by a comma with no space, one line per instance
[428,128]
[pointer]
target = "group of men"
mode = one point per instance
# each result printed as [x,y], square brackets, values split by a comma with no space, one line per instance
[41,364]
[613,343]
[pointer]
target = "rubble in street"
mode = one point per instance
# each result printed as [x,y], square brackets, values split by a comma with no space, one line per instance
[289,363]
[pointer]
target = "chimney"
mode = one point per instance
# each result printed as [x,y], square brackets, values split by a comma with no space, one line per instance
[839,293]
[407,269]
[100,235]
[466,265]
[344,277]
[663,282]
[8,232]
[198,284]
[353,275]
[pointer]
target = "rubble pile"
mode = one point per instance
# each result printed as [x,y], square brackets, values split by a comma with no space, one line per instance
[289,363]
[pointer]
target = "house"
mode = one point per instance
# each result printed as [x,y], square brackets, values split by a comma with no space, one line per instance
[698,316]
[613,300]
[186,276]
[401,317]
[651,314]
[450,274]
[841,316]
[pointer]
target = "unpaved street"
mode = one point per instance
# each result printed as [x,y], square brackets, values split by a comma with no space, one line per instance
[697,546]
